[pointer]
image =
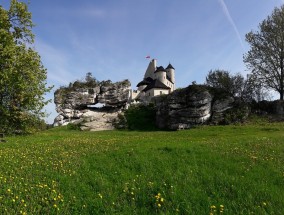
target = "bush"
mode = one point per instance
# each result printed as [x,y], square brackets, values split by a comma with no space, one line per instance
[74,126]
[120,122]
[141,117]
[238,114]
[22,123]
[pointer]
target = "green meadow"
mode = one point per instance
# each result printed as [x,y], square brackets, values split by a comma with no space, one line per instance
[235,169]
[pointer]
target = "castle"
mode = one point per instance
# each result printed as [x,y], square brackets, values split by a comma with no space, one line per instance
[157,81]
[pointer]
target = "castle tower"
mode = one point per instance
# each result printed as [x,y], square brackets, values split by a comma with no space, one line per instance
[171,74]
[151,69]
[161,74]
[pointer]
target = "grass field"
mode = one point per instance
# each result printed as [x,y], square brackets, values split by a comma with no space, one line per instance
[206,170]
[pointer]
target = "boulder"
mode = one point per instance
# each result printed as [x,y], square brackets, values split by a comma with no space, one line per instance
[184,108]
[195,105]
[76,103]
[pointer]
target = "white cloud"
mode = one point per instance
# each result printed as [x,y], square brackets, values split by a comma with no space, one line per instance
[231,21]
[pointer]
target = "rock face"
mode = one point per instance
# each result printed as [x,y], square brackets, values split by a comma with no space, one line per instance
[183,108]
[78,104]
[195,105]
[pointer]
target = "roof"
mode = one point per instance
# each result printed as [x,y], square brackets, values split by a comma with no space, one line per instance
[146,81]
[168,78]
[156,84]
[170,66]
[160,69]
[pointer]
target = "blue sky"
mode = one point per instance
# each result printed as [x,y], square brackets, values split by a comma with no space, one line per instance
[111,38]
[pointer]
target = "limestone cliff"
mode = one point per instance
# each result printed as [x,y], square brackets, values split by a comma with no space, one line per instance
[77,103]
[197,105]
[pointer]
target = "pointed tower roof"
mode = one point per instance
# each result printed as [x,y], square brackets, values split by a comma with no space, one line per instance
[146,81]
[160,69]
[170,66]
[156,84]
[151,69]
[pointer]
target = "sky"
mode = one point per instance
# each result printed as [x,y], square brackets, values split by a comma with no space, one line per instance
[111,38]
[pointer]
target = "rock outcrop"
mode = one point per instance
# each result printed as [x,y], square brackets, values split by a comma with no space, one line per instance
[79,104]
[183,108]
[196,105]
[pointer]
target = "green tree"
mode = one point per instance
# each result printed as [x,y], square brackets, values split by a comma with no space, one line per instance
[22,75]
[266,55]
[232,84]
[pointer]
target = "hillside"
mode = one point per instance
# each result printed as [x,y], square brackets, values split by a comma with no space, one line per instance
[218,169]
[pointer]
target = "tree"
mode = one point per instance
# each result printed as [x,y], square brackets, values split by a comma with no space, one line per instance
[266,55]
[22,75]
[90,80]
[254,90]
[232,84]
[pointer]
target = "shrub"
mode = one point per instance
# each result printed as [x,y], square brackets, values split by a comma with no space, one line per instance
[141,117]
[74,126]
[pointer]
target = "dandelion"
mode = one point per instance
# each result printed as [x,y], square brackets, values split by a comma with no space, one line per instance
[159,205]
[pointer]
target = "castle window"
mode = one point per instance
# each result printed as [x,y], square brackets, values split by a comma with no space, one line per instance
[161,92]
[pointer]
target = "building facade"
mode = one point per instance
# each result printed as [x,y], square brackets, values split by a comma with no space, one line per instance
[157,81]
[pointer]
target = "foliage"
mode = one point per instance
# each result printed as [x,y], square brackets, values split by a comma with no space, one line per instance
[120,122]
[233,84]
[266,56]
[222,83]
[196,88]
[141,117]
[237,114]
[74,126]
[199,171]
[254,90]
[90,81]
[22,75]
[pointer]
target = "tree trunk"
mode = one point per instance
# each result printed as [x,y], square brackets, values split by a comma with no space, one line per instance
[281,88]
